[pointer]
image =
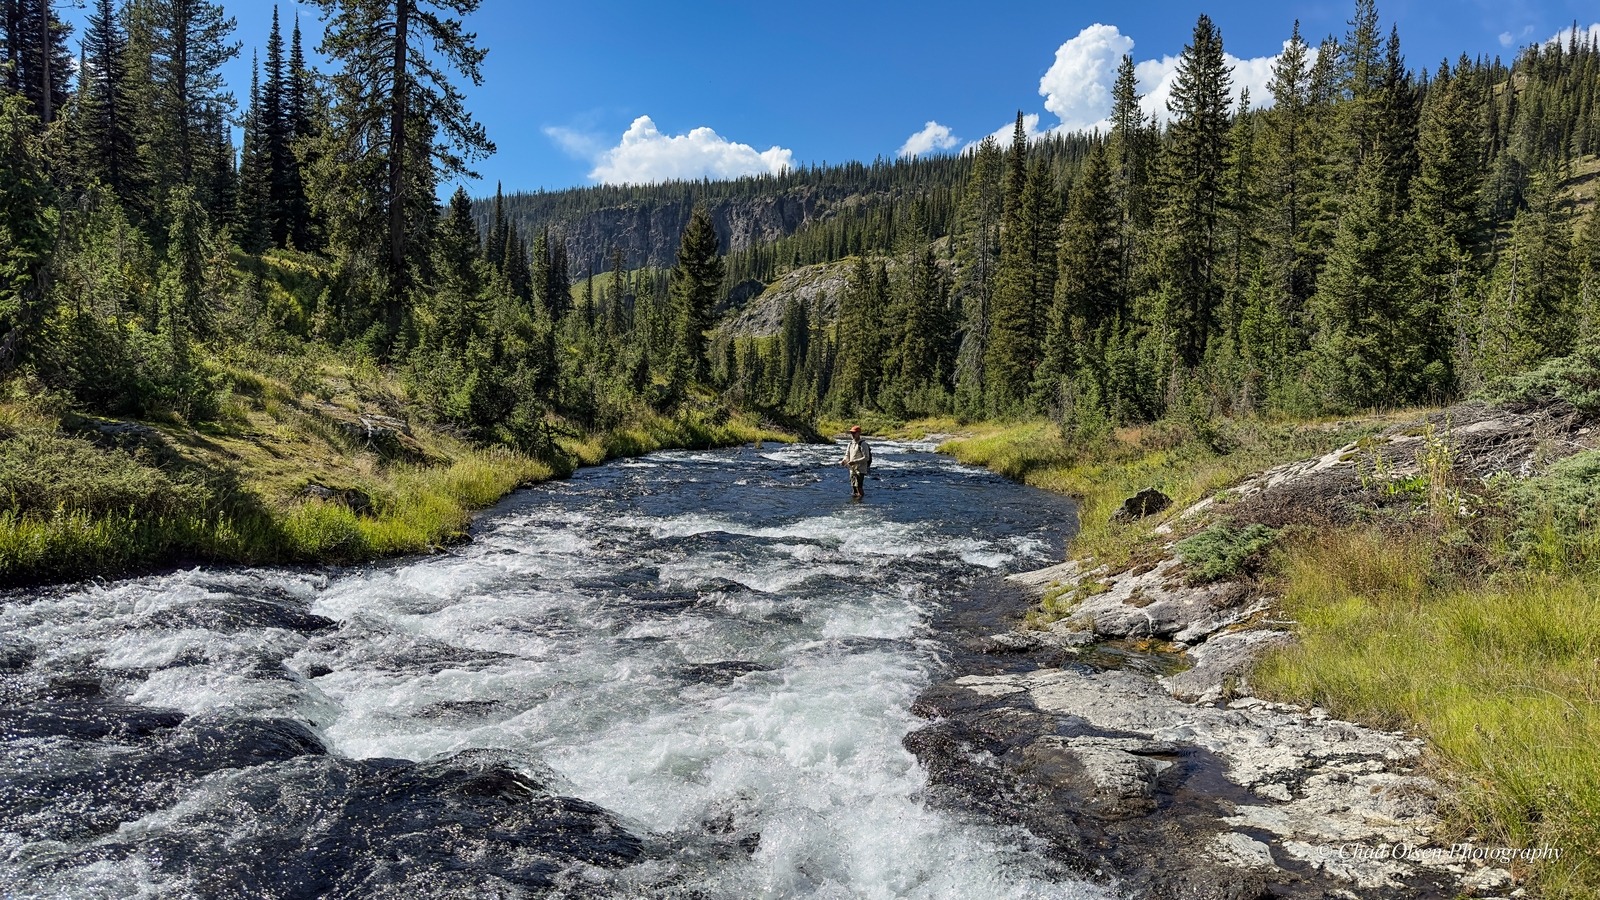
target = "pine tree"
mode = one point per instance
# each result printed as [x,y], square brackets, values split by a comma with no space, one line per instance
[1131,154]
[978,255]
[1288,175]
[398,121]
[1086,296]
[27,231]
[1369,345]
[924,356]
[188,42]
[253,211]
[299,97]
[696,278]
[108,148]
[38,64]
[452,315]
[277,139]
[1024,280]
[185,303]
[1193,180]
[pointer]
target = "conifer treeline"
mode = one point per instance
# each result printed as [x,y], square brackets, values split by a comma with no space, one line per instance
[1376,237]
[147,260]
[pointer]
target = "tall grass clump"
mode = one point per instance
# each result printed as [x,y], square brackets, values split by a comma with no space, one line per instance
[1502,678]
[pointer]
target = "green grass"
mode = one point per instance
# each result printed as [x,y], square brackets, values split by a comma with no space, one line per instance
[1102,474]
[244,488]
[1501,677]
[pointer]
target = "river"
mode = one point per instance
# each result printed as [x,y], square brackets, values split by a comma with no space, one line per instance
[685,675]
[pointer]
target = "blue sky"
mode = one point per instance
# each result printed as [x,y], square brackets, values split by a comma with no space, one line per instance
[628,90]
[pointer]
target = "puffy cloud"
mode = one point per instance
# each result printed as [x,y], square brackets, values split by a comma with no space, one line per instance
[1077,86]
[1003,134]
[1157,77]
[933,136]
[1564,36]
[646,156]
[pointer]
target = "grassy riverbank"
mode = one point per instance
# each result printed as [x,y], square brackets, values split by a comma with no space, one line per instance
[324,470]
[1477,627]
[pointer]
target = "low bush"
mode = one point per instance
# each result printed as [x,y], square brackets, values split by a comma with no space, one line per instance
[1222,551]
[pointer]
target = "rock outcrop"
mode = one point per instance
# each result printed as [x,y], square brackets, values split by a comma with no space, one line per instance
[1125,733]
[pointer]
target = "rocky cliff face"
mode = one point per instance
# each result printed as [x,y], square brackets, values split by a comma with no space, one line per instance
[649,232]
[761,314]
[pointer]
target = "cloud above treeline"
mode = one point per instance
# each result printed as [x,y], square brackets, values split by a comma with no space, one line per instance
[1077,86]
[645,155]
[1564,36]
[933,137]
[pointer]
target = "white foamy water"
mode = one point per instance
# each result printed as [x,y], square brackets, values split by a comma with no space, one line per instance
[716,647]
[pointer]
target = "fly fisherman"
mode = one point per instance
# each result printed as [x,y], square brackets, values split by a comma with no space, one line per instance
[858,459]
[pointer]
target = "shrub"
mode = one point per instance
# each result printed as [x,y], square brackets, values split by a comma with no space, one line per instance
[1222,551]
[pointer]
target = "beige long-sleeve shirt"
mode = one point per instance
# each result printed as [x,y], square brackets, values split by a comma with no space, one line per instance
[858,456]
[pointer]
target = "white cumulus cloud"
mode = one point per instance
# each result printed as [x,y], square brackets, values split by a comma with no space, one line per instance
[933,136]
[1077,86]
[646,156]
[1158,76]
[1564,36]
[1003,134]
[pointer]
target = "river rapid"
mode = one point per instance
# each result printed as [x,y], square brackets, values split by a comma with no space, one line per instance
[686,675]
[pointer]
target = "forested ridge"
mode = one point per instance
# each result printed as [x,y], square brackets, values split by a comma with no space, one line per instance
[1380,235]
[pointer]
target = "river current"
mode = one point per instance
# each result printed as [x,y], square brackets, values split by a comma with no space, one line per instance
[685,675]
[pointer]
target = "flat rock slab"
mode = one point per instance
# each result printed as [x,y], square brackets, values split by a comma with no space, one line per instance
[1309,786]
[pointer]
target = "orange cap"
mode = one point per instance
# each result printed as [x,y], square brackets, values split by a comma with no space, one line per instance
[855,429]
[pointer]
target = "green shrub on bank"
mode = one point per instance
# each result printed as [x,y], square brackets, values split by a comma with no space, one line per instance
[1103,473]
[1222,551]
[1574,379]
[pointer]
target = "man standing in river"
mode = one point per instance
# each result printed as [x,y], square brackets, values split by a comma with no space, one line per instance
[858,459]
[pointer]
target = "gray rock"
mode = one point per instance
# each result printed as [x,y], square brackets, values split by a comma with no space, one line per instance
[1221,663]
[1241,850]
[1115,777]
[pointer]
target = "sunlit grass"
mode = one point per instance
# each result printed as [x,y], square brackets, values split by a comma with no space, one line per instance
[1101,474]
[1502,678]
[275,481]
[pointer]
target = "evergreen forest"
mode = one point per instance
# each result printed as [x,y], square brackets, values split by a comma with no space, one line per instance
[1379,234]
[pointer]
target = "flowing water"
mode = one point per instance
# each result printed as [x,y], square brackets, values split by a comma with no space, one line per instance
[683,675]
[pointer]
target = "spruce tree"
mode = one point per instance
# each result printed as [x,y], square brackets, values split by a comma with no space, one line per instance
[1193,182]
[108,147]
[1131,153]
[977,254]
[188,42]
[277,139]
[299,98]
[695,280]
[27,231]
[38,64]
[1024,280]
[1289,160]
[1087,291]
[252,217]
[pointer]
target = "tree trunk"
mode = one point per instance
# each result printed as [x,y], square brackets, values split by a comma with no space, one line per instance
[399,106]
[47,108]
